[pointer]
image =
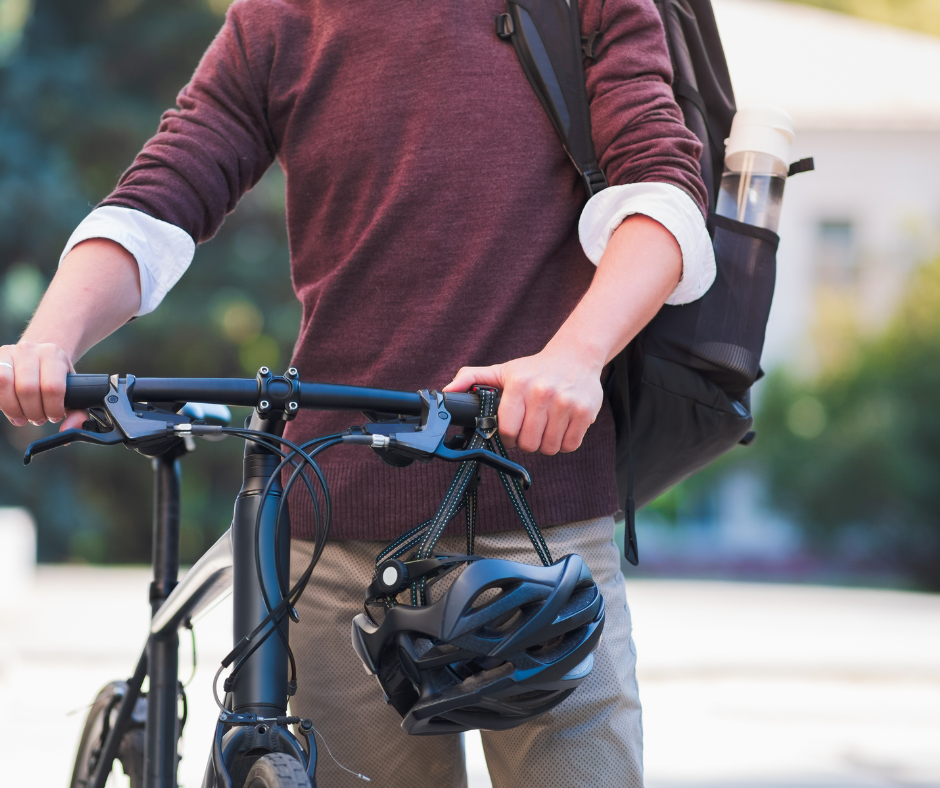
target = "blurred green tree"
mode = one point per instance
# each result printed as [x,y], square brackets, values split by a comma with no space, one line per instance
[854,456]
[82,85]
[922,15]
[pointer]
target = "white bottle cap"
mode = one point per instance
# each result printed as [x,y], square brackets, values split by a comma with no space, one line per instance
[761,128]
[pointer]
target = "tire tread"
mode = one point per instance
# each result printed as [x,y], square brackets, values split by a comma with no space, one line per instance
[277,770]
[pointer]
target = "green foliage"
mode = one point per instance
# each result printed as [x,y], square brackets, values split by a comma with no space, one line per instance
[82,86]
[694,498]
[922,15]
[855,455]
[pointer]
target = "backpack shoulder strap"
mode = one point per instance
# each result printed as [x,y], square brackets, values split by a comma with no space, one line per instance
[701,82]
[546,35]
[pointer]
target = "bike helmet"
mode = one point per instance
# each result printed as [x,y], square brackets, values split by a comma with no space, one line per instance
[503,644]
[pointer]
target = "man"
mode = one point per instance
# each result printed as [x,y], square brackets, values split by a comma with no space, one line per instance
[433,221]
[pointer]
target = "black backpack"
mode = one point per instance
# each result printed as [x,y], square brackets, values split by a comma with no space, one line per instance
[679,391]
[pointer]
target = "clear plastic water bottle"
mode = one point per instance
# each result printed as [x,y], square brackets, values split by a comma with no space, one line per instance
[756,156]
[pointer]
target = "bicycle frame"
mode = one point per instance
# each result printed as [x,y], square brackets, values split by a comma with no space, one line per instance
[260,690]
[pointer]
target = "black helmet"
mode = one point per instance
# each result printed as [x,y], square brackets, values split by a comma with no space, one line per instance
[505,643]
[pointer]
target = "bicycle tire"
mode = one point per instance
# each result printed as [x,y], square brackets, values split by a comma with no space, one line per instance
[131,750]
[277,770]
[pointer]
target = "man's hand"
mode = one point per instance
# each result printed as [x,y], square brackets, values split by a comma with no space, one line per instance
[32,385]
[550,399]
[95,291]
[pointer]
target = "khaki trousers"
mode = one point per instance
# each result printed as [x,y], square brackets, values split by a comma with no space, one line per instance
[593,739]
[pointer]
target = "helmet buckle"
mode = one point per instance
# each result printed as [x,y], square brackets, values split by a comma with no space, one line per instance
[391,576]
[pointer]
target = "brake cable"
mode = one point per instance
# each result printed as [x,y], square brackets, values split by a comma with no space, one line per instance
[320,541]
[299,469]
[276,613]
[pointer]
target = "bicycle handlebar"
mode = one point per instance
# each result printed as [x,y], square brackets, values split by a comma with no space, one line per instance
[88,391]
[151,430]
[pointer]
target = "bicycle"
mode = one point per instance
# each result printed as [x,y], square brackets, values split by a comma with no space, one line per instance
[254,744]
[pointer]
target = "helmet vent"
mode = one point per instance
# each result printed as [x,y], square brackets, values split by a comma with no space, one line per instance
[503,625]
[581,599]
[555,649]
[487,597]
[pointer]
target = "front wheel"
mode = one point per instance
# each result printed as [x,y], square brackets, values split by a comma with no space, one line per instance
[277,770]
[98,723]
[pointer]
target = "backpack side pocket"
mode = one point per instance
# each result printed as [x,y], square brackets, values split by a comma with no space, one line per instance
[722,334]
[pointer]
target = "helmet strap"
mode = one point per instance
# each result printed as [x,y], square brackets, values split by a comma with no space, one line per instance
[462,494]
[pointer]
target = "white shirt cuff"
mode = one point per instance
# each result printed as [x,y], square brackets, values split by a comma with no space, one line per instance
[674,210]
[163,251]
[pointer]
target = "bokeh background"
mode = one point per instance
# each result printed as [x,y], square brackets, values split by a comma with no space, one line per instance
[841,484]
[82,86]
[840,489]
[842,481]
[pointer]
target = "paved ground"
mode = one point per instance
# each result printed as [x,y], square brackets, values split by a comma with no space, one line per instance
[744,685]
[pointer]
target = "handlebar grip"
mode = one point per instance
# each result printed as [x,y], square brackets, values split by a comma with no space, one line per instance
[463,407]
[85,391]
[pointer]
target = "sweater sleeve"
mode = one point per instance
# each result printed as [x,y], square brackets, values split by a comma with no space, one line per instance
[214,146]
[636,124]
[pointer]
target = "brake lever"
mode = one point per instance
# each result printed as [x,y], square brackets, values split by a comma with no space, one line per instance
[495,461]
[111,438]
[426,439]
[149,433]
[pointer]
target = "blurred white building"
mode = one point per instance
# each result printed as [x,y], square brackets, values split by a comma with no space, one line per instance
[17,555]
[865,99]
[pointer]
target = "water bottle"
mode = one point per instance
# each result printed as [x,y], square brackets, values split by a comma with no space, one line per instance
[756,156]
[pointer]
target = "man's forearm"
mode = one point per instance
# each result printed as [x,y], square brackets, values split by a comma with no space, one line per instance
[550,399]
[640,268]
[95,291]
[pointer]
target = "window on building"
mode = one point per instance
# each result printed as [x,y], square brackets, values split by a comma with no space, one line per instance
[836,261]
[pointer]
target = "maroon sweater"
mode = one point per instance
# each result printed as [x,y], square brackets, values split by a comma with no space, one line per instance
[431,210]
